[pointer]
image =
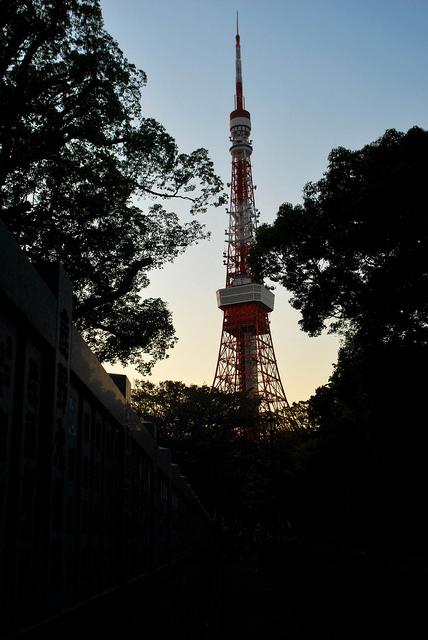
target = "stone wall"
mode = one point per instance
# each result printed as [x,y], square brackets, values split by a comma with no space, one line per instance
[88,501]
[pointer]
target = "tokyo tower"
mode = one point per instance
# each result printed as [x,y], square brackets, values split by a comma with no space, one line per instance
[246,361]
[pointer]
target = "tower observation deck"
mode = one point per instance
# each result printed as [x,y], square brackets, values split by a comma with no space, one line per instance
[246,360]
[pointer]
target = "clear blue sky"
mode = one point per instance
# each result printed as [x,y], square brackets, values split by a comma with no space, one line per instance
[317,74]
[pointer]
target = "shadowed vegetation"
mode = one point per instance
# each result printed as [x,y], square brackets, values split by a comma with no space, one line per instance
[354,257]
[84,176]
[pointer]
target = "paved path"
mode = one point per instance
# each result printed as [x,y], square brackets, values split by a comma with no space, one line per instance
[307,591]
[302,591]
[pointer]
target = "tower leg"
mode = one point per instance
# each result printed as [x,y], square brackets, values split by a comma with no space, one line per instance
[247,363]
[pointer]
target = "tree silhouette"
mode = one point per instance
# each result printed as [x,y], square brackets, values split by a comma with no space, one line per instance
[354,256]
[84,176]
[203,427]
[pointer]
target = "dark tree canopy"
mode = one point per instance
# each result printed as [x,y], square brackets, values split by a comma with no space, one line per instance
[83,175]
[203,427]
[234,473]
[355,255]
[182,411]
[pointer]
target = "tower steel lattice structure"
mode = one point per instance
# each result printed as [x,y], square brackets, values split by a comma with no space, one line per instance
[246,361]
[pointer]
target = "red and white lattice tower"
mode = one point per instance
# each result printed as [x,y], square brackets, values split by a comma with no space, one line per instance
[246,360]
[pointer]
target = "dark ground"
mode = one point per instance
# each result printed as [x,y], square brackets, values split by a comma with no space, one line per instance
[296,591]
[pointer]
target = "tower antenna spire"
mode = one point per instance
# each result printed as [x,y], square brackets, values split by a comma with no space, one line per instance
[239,95]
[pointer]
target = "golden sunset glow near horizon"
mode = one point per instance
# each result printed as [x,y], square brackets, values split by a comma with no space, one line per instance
[317,75]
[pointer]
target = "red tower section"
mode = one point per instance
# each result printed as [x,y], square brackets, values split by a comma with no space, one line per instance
[246,360]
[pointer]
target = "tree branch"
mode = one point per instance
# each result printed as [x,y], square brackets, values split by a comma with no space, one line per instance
[167,195]
[108,298]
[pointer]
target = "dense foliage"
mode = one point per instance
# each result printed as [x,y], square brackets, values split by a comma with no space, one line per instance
[215,439]
[83,174]
[204,429]
[354,256]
